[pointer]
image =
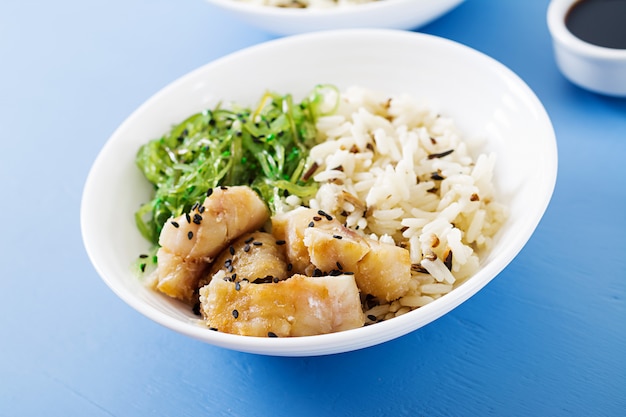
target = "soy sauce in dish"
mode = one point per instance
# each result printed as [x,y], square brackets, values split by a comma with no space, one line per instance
[600,22]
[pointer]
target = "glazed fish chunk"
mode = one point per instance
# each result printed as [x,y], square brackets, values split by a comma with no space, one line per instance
[252,256]
[225,215]
[191,241]
[178,277]
[314,238]
[298,306]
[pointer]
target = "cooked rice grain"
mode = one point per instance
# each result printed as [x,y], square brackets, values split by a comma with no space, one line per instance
[395,170]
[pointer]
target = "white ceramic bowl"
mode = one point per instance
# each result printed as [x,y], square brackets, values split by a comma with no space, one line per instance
[481,95]
[392,14]
[595,68]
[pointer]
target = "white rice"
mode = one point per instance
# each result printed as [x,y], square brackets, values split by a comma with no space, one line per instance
[312,4]
[376,174]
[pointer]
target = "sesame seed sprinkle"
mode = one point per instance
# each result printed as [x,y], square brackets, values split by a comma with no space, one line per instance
[209,192]
[190,235]
[188,217]
[257,243]
[235,314]
[271,334]
[246,248]
[231,250]
[175,224]
[323,213]
[280,242]
[338,237]
[311,224]
[250,239]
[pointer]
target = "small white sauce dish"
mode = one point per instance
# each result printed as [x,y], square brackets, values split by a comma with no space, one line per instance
[391,14]
[598,69]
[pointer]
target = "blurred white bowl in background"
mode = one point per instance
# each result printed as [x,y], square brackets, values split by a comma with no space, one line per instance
[392,14]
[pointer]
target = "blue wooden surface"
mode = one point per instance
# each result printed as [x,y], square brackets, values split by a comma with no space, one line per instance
[545,338]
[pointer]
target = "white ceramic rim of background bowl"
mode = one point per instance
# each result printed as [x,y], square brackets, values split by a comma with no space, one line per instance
[592,61]
[392,14]
[102,219]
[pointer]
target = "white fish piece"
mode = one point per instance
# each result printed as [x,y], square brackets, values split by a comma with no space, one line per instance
[298,306]
[381,269]
[190,242]
[252,256]
[225,215]
[178,277]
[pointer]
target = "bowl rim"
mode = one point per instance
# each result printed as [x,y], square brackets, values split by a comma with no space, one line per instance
[333,342]
[557,10]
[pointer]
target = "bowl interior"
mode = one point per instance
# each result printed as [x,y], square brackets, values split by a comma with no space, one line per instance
[484,98]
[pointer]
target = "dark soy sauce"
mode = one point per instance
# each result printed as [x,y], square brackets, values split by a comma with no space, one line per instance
[600,22]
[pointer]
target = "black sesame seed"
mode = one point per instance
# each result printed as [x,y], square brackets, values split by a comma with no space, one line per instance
[311,224]
[371,317]
[143,256]
[289,266]
[209,192]
[250,239]
[271,334]
[275,279]
[335,273]
[231,250]
[213,329]
[323,213]
[229,268]
[280,242]
[317,218]
[190,235]
[223,188]
[228,262]
[348,273]
[195,206]
[237,286]
[175,224]
[257,243]
[197,219]
[235,313]
[246,248]
[338,237]
[339,266]
[188,217]
[142,267]
[201,209]
[317,272]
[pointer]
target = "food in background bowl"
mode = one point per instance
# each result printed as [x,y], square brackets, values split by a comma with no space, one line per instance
[303,4]
[328,14]
[482,97]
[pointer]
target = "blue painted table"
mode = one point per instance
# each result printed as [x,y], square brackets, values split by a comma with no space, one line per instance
[547,337]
